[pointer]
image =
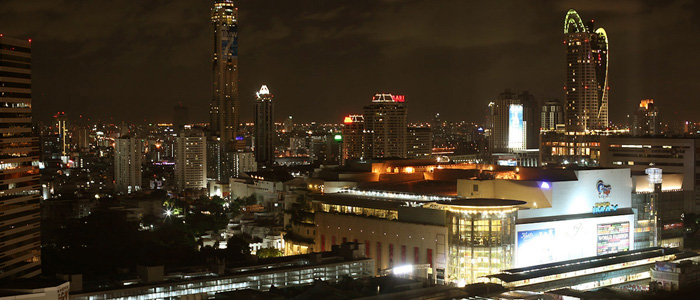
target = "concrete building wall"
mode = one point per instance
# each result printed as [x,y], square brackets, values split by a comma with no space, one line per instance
[382,235]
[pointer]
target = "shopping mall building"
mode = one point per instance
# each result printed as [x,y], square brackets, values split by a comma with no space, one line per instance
[496,221]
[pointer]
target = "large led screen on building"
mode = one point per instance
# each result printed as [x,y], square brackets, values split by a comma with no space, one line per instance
[613,237]
[516,136]
[536,246]
[553,241]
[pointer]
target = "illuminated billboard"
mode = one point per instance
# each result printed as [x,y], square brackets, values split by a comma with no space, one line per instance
[613,237]
[536,246]
[516,132]
[553,241]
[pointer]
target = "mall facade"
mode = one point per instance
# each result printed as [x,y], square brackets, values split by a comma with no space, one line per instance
[497,220]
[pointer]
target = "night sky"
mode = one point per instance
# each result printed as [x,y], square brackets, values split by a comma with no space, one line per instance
[134,60]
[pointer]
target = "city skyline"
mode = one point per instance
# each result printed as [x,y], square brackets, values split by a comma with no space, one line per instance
[350,52]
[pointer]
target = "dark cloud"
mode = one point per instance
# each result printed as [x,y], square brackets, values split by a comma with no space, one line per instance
[134,60]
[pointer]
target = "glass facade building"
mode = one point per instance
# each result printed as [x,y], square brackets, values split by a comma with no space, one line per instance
[20,213]
[480,237]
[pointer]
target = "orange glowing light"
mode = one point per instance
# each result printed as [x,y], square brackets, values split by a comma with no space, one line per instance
[646,103]
[347,120]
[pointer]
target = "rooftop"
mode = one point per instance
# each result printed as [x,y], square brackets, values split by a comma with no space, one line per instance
[567,266]
[481,202]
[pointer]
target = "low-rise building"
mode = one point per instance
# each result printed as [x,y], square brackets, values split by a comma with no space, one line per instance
[346,260]
[675,275]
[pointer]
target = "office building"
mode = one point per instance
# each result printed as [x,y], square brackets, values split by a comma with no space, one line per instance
[224,108]
[191,161]
[658,200]
[645,120]
[551,115]
[353,137]
[419,142]
[265,133]
[514,126]
[672,155]
[385,126]
[580,148]
[586,87]
[20,251]
[127,164]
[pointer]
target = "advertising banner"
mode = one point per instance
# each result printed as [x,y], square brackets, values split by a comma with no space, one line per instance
[536,246]
[613,237]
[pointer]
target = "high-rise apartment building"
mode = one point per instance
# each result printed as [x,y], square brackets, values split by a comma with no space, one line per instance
[20,212]
[225,104]
[81,138]
[551,115]
[326,149]
[241,162]
[385,126]
[586,97]
[419,142]
[514,125]
[191,160]
[646,119]
[216,159]
[127,164]
[353,137]
[264,127]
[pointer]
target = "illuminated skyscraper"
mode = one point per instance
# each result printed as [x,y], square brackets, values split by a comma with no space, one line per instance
[20,212]
[514,126]
[225,105]
[586,99]
[264,127]
[646,119]
[385,127]
[127,164]
[191,160]
[353,137]
[62,132]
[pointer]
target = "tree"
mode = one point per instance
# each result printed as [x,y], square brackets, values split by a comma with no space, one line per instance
[237,248]
[268,252]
